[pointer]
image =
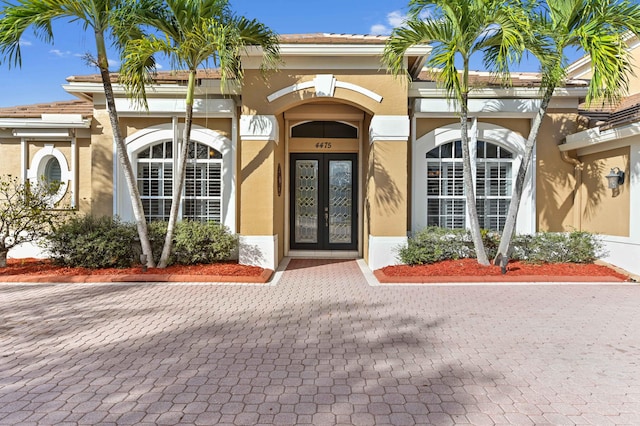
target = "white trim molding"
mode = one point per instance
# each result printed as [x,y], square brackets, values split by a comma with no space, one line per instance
[389,128]
[622,252]
[324,85]
[516,108]
[383,251]
[259,250]
[595,140]
[211,108]
[259,128]
[39,163]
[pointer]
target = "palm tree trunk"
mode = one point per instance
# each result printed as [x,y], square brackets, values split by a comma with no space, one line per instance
[123,158]
[181,174]
[512,215]
[469,187]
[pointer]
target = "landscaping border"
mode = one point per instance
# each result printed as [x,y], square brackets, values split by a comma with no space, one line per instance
[264,277]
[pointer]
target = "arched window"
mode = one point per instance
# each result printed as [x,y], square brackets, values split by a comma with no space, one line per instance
[446,202]
[324,129]
[202,197]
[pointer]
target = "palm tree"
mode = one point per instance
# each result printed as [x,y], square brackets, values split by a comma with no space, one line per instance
[599,28]
[458,29]
[103,18]
[193,33]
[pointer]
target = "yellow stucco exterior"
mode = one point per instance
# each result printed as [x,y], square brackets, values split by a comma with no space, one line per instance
[252,128]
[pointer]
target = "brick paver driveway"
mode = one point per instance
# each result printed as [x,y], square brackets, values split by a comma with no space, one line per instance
[320,347]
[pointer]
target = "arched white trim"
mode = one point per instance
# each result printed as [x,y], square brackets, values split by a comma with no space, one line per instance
[324,85]
[143,138]
[39,164]
[311,121]
[488,132]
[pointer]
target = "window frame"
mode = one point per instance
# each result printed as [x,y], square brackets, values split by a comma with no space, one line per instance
[172,131]
[39,165]
[495,134]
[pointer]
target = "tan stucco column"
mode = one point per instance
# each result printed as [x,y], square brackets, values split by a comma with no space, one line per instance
[387,198]
[258,240]
[103,185]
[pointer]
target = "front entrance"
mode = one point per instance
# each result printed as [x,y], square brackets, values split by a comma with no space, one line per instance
[324,204]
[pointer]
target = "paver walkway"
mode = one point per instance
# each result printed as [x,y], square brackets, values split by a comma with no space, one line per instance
[320,347]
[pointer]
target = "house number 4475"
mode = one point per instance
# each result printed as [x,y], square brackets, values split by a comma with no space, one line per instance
[324,145]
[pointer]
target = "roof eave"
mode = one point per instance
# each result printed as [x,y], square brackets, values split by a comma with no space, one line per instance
[86,90]
[423,89]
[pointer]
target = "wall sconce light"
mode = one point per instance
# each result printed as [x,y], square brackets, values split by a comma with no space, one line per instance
[615,178]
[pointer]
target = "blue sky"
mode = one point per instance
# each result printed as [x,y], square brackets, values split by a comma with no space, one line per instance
[45,67]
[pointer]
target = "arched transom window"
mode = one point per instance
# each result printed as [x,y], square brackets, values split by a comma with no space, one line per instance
[446,202]
[202,198]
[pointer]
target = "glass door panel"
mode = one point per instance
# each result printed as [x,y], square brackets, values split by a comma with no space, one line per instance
[340,201]
[323,202]
[306,201]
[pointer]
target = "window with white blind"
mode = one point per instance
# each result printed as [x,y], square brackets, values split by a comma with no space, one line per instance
[202,196]
[446,202]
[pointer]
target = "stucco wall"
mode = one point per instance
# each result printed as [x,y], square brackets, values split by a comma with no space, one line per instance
[102,161]
[555,181]
[603,210]
[392,90]
[257,189]
[10,148]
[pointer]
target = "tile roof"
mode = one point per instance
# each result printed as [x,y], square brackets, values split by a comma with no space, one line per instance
[36,110]
[486,79]
[331,38]
[608,115]
[166,77]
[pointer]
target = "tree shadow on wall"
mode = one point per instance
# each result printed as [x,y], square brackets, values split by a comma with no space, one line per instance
[387,195]
[557,183]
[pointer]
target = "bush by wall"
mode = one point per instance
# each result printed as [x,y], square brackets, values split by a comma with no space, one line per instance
[107,242]
[197,242]
[435,244]
[93,242]
[558,247]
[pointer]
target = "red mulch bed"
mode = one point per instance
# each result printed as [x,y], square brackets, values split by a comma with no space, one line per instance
[43,269]
[470,270]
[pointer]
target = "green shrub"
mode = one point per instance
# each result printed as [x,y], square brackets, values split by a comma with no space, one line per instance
[558,247]
[491,242]
[92,242]
[106,242]
[198,242]
[434,244]
[157,230]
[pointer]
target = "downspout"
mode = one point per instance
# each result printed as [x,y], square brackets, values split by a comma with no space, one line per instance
[577,192]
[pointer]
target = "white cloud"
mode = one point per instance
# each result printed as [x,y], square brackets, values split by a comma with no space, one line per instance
[379,29]
[61,53]
[395,19]
[113,63]
[25,43]
[159,66]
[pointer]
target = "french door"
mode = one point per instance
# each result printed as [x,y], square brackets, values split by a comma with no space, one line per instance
[324,203]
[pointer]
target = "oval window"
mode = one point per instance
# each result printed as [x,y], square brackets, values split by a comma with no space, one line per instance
[52,170]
